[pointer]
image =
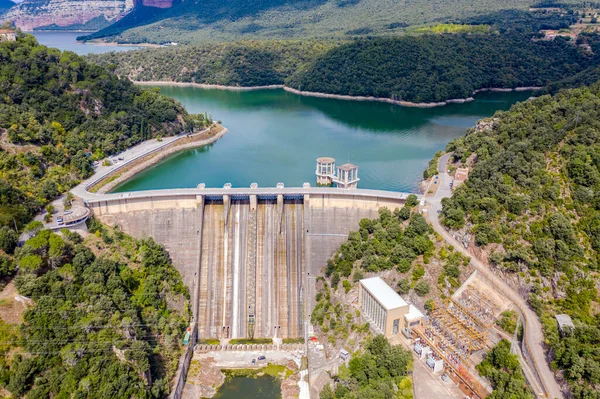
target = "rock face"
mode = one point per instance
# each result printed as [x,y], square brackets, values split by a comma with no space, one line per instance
[32,14]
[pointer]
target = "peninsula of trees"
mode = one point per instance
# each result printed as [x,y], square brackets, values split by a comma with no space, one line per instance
[421,68]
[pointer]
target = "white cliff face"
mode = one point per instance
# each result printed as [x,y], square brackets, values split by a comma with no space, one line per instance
[31,14]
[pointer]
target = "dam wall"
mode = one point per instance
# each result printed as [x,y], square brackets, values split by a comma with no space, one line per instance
[249,258]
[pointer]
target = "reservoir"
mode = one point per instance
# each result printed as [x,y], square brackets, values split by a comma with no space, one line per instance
[67,41]
[264,387]
[275,136]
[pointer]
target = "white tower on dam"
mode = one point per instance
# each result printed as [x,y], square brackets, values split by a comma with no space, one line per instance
[347,176]
[325,171]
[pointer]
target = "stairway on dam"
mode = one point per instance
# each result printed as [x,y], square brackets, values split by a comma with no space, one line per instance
[251,265]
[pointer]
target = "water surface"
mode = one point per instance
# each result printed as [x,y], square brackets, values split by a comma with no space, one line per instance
[275,136]
[66,40]
[264,387]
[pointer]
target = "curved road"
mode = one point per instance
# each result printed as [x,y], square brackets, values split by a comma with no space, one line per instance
[534,337]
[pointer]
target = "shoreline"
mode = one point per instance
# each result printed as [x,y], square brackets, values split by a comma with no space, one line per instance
[337,96]
[205,85]
[120,175]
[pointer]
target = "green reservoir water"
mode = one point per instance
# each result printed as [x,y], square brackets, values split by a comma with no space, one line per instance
[264,387]
[275,136]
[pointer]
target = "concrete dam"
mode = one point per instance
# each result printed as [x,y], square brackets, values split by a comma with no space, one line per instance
[249,256]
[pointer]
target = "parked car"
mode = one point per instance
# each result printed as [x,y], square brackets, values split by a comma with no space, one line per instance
[261,358]
[59,219]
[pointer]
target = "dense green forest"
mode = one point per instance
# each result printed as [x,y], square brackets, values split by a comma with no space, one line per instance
[380,372]
[195,22]
[420,68]
[531,203]
[433,68]
[58,113]
[504,371]
[249,63]
[107,319]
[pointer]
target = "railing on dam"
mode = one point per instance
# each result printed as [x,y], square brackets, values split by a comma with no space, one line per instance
[217,194]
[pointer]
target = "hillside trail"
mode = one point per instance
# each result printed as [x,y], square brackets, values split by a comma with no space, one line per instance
[533,334]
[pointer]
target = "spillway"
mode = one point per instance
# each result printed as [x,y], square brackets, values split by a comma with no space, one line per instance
[248,256]
[251,265]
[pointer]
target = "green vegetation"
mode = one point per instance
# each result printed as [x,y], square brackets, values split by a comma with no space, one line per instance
[293,340]
[532,202]
[197,22]
[272,370]
[379,372]
[249,63]
[248,341]
[58,113]
[209,341]
[504,370]
[432,166]
[108,318]
[420,68]
[431,68]
[508,321]
[451,28]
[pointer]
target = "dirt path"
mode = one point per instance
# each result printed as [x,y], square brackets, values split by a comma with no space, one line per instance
[12,305]
[533,335]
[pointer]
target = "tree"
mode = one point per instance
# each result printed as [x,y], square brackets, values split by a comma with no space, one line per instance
[8,239]
[33,228]
[422,288]
[411,201]
[403,286]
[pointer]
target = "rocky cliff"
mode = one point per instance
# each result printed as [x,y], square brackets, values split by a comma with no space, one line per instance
[31,14]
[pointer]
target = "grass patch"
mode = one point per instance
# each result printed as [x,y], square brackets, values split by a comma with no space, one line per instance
[247,341]
[293,340]
[209,341]
[272,370]
[508,321]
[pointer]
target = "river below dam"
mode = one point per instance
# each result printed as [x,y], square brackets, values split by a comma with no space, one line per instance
[275,136]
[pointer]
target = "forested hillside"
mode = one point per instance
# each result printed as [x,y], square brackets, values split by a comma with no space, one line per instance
[249,63]
[107,319]
[532,206]
[195,21]
[419,68]
[433,68]
[58,113]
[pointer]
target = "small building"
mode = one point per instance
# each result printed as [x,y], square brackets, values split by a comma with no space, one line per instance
[435,363]
[565,323]
[344,355]
[347,176]
[325,171]
[7,35]
[386,311]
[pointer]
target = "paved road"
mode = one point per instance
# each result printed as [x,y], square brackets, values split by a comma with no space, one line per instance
[534,337]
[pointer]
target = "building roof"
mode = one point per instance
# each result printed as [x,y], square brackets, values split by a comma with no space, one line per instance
[383,293]
[413,314]
[347,166]
[325,160]
[78,213]
[7,31]
[564,320]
